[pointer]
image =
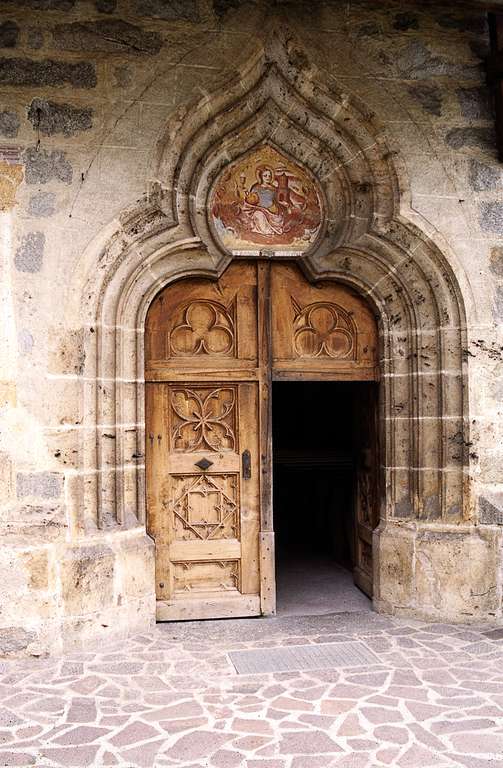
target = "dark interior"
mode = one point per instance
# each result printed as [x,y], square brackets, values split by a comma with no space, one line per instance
[314,457]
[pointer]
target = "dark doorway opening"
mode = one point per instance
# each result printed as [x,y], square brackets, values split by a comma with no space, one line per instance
[317,450]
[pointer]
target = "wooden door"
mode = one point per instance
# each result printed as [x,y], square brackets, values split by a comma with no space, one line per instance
[211,350]
[327,332]
[366,486]
[204,384]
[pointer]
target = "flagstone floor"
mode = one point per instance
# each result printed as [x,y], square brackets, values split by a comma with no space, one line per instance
[171,697]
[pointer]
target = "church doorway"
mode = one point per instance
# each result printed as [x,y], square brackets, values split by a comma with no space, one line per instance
[228,362]
[319,463]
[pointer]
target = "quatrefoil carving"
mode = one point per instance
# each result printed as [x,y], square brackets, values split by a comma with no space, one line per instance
[207,328]
[203,419]
[323,329]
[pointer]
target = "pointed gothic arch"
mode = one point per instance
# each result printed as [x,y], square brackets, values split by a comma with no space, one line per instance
[367,244]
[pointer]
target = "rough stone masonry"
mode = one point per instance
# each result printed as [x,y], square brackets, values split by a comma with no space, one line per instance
[95,99]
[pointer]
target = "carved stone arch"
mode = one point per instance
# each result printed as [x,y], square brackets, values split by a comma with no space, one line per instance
[369,246]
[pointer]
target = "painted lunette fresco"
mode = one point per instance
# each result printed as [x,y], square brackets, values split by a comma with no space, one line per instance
[265,199]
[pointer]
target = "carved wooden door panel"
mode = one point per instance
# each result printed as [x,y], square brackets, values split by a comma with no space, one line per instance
[321,331]
[202,445]
[366,487]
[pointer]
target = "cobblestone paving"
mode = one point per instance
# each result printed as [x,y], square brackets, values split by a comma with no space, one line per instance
[172,698]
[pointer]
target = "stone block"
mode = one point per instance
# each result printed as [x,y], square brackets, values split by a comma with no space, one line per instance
[6,485]
[474,103]
[107,36]
[69,357]
[44,485]
[50,117]
[105,6]
[498,302]
[34,38]
[429,96]
[9,124]
[170,10]
[9,34]
[64,445]
[87,579]
[43,5]
[491,509]
[393,567]
[13,640]
[42,204]
[442,587]
[483,177]
[36,564]
[30,253]
[45,165]
[28,72]
[136,565]
[491,217]
[481,137]
[496,260]
[406,21]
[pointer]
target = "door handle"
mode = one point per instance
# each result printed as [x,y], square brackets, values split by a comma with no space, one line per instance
[246,465]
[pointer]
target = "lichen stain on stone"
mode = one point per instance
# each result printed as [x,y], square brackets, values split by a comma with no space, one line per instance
[50,117]
[11,176]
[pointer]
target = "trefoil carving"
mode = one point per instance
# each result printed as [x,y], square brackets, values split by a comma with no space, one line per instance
[206,328]
[323,329]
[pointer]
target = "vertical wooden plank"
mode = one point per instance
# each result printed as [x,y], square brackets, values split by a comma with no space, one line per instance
[250,495]
[267,564]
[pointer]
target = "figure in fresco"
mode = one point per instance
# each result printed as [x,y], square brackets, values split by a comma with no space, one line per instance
[280,206]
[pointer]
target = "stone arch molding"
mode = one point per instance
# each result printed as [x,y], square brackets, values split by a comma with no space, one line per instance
[282,101]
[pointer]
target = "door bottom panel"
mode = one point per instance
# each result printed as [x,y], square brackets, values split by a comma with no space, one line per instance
[193,609]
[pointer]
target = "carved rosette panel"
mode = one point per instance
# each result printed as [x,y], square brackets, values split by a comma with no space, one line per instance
[200,576]
[203,327]
[323,329]
[205,506]
[203,419]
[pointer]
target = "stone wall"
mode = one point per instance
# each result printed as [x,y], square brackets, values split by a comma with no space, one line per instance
[92,98]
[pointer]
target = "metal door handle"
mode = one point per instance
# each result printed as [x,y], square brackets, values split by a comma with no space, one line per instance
[246,465]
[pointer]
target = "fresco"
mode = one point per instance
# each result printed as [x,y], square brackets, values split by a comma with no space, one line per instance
[265,199]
